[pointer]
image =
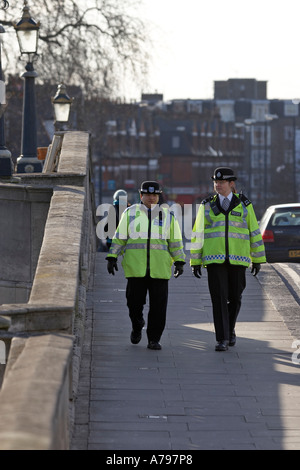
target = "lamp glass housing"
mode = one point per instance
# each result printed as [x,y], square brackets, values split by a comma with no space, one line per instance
[28,40]
[62,104]
[62,111]
[27,30]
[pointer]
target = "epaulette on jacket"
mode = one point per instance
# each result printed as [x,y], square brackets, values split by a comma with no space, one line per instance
[208,199]
[244,199]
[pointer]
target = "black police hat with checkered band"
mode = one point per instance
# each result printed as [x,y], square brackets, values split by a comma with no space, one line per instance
[224,173]
[150,187]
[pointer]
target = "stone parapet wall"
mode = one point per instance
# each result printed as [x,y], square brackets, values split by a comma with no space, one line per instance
[53,318]
[23,214]
[34,394]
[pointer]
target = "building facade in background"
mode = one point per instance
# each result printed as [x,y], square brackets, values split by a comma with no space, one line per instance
[180,143]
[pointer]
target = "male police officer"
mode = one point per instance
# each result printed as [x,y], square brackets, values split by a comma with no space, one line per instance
[150,239]
[226,240]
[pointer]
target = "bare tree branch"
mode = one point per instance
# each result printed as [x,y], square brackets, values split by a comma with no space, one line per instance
[92,43]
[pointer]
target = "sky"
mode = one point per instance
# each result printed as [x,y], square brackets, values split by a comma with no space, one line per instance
[196,42]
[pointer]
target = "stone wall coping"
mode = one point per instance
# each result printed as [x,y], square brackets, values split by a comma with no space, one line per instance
[34,392]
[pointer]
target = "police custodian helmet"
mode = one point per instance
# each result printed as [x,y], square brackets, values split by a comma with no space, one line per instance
[150,187]
[224,173]
[119,193]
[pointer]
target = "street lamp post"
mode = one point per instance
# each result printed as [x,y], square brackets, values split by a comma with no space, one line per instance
[27,33]
[295,116]
[248,127]
[295,192]
[62,105]
[268,118]
[6,165]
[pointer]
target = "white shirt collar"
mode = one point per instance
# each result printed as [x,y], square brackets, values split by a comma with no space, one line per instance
[223,197]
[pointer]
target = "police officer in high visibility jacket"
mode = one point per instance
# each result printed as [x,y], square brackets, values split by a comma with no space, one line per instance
[226,240]
[149,238]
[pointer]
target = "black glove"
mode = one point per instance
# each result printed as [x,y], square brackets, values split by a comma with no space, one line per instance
[196,270]
[255,269]
[112,265]
[178,270]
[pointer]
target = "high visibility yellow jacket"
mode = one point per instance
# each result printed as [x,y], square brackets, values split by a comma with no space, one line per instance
[234,236]
[149,240]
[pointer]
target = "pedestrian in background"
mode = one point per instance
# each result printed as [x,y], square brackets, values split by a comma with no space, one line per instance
[150,240]
[226,240]
[119,205]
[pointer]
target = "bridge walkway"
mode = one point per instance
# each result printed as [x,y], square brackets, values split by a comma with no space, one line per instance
[186,396]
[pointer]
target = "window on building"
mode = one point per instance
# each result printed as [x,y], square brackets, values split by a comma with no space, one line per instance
[256,181]
[258,135]
[194,106]
[288,133]
[259,110]
[290,108]
[257,158]
[288,156]
[226,108]
[175,141]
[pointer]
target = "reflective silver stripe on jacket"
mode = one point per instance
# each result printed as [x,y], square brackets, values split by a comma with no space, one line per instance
[238,224]
[136,246]
[258,254]
[242,236]
[257,244]
[255,232]
[231,223]
[175,244]
[143,246]
[206,212]
[195,256]
[116,249]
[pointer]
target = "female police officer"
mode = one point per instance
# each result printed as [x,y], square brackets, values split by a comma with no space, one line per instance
[226,239]
[150,239]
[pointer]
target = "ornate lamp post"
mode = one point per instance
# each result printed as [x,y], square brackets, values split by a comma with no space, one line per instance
[27,33]
[6,165]
[62,105]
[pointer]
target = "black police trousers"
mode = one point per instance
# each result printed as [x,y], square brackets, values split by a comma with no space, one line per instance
[136,294]
[226,284]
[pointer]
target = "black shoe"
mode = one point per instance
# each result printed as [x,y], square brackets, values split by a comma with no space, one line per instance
[221,346]
[232,339]
[154,345]
[136,335]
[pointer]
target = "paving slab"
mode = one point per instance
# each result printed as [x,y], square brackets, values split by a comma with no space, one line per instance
[187,396]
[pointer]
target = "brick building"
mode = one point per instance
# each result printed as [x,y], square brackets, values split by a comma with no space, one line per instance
[180,143]
[177,143]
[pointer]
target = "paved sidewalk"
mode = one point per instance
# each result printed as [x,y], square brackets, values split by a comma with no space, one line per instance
[186,396]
